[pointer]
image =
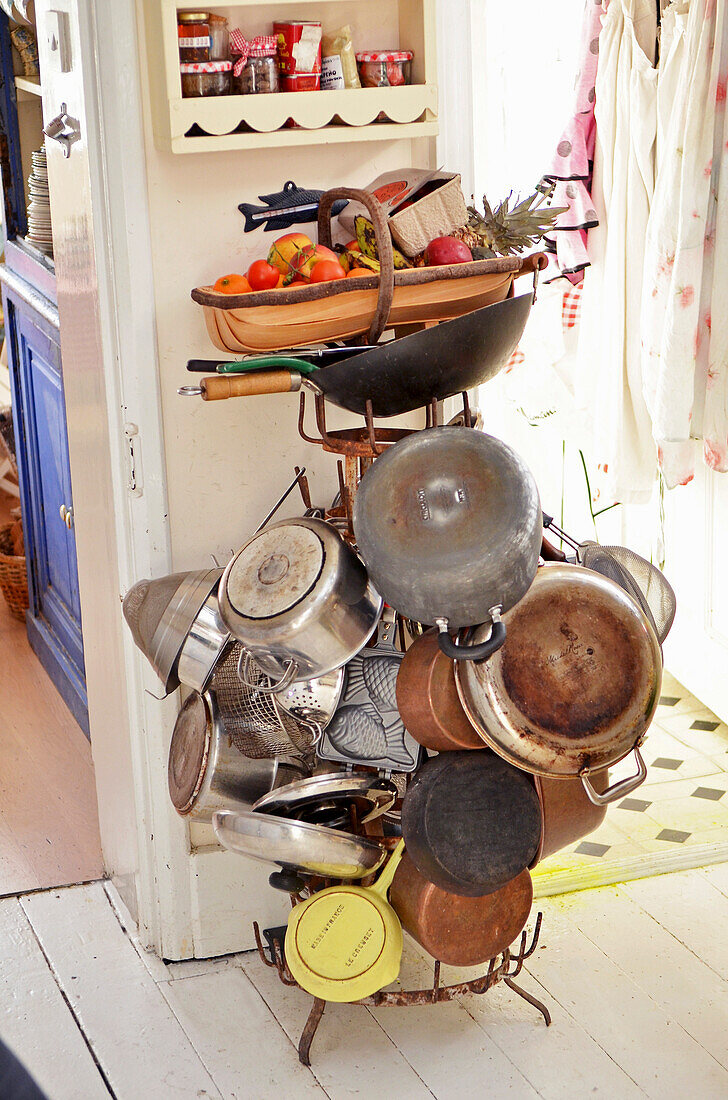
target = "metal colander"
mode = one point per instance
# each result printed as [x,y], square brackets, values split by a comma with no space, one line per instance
[644,581]
[257,724]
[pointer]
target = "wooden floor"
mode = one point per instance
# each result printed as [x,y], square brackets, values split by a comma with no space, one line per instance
[49,833]
[635,976]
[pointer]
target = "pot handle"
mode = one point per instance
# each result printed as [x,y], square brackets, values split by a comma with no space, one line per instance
[479,652]
[617,790]
[289,675]
[384,247]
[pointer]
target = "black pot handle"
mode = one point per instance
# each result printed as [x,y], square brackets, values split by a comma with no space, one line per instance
[479,652]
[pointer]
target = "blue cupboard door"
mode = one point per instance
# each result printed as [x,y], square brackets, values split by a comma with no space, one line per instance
[52,541]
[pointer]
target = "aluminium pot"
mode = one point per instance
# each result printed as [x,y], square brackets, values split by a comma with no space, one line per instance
[576,685]
[299,600]
[449,524]
[206,772]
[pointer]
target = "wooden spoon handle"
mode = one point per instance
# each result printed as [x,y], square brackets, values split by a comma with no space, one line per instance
[218,387]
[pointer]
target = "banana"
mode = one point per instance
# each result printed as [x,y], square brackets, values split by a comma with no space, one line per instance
[360,259]
[367,241]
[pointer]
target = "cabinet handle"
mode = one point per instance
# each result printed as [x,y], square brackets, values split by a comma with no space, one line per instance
[63,510]
[69,518]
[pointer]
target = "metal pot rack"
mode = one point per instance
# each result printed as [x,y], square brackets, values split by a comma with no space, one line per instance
[503,968]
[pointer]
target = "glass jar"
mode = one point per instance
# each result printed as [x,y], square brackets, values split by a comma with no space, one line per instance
[193,36]
[219,38]
[260,71]
[384,68]
[206,78]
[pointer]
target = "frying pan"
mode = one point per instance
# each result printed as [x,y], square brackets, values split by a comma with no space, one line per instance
[345,942]
[471,822]
[575,686]
[456,930]
[402,375]
[305,358]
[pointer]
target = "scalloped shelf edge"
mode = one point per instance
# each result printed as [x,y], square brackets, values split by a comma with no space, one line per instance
[326,135]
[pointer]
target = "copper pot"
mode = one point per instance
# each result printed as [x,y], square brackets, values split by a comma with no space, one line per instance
[456,930]
[567,813]
[428,700]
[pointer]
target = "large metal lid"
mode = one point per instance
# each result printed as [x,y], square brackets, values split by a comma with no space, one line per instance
[275,571]
[188,753]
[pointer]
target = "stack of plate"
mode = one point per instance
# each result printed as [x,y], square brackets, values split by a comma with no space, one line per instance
[39,209]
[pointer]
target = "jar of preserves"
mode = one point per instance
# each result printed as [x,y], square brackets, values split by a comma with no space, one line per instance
[384,68]
[193,36]
[206,78]
[259,71]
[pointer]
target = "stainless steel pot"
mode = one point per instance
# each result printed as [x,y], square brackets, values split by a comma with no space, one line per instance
[206,772]
[373,794]
[576,685]
[203,647]
[449,525]
[299,600]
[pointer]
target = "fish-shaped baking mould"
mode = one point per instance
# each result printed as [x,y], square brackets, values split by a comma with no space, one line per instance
[285,208]
[367,727]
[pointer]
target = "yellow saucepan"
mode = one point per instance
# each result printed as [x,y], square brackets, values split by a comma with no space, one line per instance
[345,942]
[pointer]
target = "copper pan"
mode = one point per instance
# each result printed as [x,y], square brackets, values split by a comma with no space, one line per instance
[428,700]
[460,931]
[567,813]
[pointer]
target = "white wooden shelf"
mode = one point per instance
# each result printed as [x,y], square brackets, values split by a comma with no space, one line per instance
[215,123]
[26,84]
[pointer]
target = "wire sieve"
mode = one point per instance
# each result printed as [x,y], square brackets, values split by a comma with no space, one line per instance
[637,576]
[255,721]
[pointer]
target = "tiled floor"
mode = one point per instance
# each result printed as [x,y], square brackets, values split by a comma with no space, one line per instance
[678,817]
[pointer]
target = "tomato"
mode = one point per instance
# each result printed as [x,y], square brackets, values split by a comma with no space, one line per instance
[262,275]
[232,284]
[325,271]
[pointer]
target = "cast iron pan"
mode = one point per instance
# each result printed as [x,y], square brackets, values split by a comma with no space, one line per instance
[471,822]
[400,376]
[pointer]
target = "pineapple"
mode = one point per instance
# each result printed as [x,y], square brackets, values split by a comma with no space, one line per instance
[506,230]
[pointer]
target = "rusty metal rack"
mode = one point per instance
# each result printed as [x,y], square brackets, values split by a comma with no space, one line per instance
[504,968]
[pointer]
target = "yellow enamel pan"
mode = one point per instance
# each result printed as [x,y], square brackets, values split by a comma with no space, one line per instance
[345,942]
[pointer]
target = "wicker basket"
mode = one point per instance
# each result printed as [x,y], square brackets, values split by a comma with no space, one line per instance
[13,575]
[269,320]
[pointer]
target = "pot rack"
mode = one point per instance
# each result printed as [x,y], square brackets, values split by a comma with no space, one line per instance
[503,968]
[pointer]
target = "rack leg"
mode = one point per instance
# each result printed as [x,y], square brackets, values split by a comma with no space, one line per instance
[531,999]
[312,1023]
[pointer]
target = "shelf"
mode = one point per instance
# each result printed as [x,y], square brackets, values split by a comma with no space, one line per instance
[216,123]
[27,84]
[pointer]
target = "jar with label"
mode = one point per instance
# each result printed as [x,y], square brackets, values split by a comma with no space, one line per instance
[206,78]
[260,70]
[193,36]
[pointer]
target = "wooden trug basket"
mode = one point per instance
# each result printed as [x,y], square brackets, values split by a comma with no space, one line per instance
[271,320]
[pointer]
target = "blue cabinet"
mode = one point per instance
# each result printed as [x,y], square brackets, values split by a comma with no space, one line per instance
[54,619]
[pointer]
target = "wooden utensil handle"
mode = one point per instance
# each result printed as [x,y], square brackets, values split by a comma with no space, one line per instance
[221,386]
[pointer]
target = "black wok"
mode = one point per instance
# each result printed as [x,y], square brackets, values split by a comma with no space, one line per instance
[403,375]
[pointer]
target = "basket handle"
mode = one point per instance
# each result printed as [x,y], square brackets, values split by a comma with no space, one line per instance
[384,247]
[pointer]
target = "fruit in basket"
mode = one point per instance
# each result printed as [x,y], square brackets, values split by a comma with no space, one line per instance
[509,229]
[361,261]
[305,260]
[285,248]
[359,272]
[367,240]
[326,271]
[346,259]
[232,284]
[263,276]
[447,250]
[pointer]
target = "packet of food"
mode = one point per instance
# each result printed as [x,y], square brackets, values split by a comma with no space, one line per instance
[338,60]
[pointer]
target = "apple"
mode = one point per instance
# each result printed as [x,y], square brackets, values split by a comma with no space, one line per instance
[304,261]
[447,250]
[285,248]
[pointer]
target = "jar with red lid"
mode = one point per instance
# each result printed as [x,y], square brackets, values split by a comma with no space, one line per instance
[206,78]
[384,68]
[193,36]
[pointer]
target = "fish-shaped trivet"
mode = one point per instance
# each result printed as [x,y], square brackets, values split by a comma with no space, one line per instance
[367,727]
[284,208]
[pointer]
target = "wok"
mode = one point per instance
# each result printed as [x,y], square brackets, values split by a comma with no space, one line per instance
[400,376]
[448,522]
[575,686]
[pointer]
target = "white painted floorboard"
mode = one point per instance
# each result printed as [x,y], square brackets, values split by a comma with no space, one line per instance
[634,977]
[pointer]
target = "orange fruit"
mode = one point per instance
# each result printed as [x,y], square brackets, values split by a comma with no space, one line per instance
[232,284]
[356,272]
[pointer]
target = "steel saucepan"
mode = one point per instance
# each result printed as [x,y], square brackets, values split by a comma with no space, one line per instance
[576,685]
[449,524]
[299,600]
[206,772]
[203,647]
[298,845]
[373,794]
